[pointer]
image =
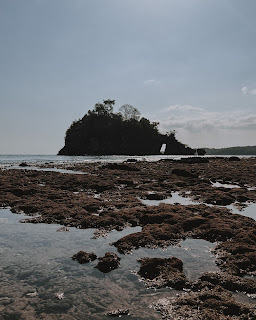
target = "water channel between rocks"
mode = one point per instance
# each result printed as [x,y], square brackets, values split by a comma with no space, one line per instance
[36,264]
[45,169]
[249,210]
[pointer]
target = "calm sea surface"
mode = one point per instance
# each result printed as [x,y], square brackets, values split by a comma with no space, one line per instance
[17,159]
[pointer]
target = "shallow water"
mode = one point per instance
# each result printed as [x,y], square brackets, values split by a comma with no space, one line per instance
[224,185]
[175,198]
[36,264]
[248,211]
[47,169]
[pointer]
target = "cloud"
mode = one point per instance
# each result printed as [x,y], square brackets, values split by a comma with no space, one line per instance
[149,82]
[186,107]
[201,120]
[253,92]
[244,90]
[199,127]
[248,92]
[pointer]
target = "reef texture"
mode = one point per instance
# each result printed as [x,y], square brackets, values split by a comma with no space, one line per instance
[159,273]
[108,197]
[207,304]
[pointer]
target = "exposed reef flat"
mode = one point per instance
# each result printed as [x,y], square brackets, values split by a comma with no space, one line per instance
[108,197]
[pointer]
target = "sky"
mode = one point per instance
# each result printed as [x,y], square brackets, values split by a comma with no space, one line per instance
[188,64]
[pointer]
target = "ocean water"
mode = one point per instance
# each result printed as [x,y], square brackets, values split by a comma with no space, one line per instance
[40,159]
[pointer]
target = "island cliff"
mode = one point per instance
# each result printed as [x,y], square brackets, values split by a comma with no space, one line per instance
[103,132]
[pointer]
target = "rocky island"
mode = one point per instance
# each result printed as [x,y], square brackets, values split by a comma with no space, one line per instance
[103,132]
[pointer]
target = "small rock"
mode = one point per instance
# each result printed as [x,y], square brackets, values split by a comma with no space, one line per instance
[109,262]
[119,166]
[118,313]
[159,272]
[84,257]
[23,164]
[155,196]
[63,229]
[193,160]
[183,173]
[131,160]
[233,159]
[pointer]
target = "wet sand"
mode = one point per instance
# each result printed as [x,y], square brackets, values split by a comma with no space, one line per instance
[109,197]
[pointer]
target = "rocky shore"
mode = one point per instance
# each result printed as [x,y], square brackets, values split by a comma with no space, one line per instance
[108,197]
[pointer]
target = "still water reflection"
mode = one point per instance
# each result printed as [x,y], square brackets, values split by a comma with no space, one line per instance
[36,265]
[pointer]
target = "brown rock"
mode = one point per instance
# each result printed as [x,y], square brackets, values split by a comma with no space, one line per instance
[227,281]
[159,272]
[84,257]
[109,262]
[207,304]
[183,173]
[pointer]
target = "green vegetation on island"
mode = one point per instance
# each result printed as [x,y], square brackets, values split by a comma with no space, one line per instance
[238,151]
[103,132]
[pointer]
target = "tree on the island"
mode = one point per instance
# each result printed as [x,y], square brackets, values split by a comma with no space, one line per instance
[171,133]
[129,112]
[105,108]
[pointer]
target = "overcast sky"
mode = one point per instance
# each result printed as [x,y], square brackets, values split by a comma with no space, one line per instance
[189,64]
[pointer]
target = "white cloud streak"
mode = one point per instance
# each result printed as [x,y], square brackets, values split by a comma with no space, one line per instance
[200,120]
[149,82]
[183,108]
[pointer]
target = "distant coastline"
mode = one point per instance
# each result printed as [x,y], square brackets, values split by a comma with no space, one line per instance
[238,151]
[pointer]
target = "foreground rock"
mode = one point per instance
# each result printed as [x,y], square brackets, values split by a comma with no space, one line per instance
[158,273]
[226,281]
[84,257]
[109,198]
[206,298]
[166,224]
[208,304]
[109,262]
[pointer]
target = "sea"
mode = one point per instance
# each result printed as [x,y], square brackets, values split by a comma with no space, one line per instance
[39,279]
[16,159]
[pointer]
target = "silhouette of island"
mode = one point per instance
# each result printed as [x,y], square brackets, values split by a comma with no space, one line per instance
[103,132]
